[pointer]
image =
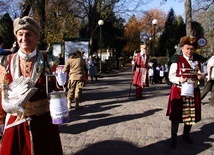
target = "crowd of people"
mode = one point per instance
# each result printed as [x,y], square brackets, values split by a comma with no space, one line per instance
[24,112]
[158,72]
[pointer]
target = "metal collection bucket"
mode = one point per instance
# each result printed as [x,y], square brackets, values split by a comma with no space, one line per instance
[58,105]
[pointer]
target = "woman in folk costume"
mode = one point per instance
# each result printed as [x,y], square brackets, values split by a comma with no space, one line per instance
[140,79]
[184,105]
[28,125]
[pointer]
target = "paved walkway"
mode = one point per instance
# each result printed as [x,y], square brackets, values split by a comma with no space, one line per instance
[109,123]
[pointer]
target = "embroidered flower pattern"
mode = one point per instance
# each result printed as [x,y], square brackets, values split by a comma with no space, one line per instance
[194,65]
[26,67]
[40,67]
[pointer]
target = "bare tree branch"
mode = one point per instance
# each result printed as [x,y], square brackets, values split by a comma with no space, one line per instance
[203,5]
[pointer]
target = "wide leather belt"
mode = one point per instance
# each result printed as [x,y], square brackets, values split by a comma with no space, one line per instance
[140,69]
[36,108]
[176,85]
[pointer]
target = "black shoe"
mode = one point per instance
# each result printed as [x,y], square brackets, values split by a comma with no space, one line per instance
[172,143]
[187,139]
[140,97]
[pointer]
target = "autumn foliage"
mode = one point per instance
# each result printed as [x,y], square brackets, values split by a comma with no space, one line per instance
[142,24]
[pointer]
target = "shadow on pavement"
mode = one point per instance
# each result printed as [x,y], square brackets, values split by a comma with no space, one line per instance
[93,124]
[101,93]
[121,147]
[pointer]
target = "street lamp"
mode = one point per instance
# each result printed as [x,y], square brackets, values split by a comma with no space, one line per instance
[154,24]
[100,23]
[150,45]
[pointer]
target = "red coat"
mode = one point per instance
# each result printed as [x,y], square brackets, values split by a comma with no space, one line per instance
[175,102]
[141,71]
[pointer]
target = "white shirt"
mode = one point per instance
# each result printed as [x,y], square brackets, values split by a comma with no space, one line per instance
[210,68]
[172,73]
[211,61]
[25,56]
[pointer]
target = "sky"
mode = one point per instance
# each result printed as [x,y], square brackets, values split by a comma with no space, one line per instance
[177,6]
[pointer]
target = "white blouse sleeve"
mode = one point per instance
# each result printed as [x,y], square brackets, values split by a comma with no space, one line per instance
[172,74]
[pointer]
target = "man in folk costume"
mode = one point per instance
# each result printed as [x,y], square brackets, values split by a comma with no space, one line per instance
[140,79]
[184,105]
[28,124]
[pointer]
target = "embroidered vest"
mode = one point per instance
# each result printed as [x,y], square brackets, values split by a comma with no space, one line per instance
[141,62]
[186,70]
[38,77]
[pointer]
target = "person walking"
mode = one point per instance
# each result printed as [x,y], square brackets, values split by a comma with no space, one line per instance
[74,67]
[160,70]
[166,72]
[184,107]
[61,59]
[92,68]
[209,86]
[140,79]
[28,124]
[156,73]
[151,73]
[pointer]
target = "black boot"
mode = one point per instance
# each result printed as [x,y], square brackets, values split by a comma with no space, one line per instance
[77,104]
[174,130]
[186,137]
[173,141]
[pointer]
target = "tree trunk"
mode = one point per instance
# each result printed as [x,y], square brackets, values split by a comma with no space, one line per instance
[92,29]
[42,19]
[91,43]
[188,16]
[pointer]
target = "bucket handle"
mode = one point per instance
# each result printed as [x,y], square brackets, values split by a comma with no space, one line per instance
[47,91]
